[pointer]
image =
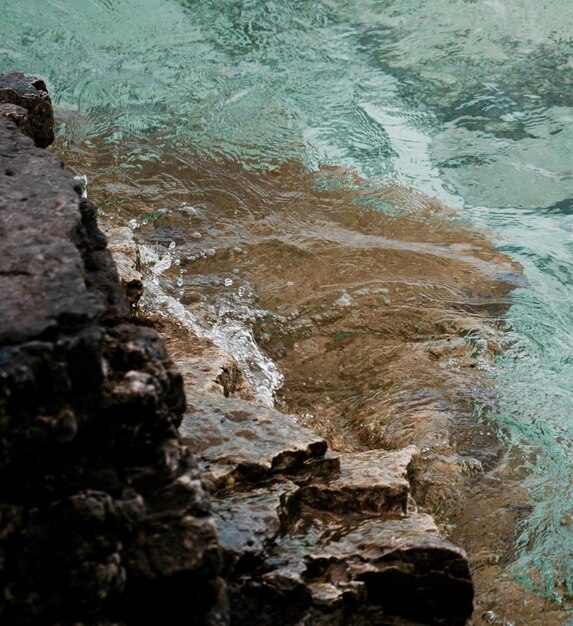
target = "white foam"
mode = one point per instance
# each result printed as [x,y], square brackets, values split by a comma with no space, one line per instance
[230,330]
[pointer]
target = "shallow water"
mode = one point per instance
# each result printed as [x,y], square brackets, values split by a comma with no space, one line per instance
[468,102]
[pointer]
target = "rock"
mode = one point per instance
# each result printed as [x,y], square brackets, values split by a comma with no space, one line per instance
[17,115]
[371,572]
[31,94]
[238,441]
[125,254]
[369,482]
[249,522]
[320,539]
[104,518]
[310,537]
[205,367]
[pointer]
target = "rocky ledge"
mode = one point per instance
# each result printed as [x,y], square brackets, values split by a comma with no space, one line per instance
[105,466]
[103,517]
[309,536]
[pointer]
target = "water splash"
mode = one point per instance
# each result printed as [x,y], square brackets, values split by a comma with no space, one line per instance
[228,326]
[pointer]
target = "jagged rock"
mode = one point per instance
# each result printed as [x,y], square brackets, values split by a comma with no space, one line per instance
[367,572]
[369,482]
[31,94]
[236,440]
[104,518]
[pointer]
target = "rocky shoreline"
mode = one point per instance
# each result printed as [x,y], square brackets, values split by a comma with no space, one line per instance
[110,451]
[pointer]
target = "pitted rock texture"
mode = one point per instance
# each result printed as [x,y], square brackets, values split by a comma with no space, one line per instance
[239,440]
[103,516]
[31,94]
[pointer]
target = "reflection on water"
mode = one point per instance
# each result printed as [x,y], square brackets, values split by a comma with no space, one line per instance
[467,102]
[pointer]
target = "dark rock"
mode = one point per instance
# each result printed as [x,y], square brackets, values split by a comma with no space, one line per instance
[31,94]
[103,516]
[249,522]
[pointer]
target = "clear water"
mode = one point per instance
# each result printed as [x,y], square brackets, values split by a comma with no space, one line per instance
[467,100]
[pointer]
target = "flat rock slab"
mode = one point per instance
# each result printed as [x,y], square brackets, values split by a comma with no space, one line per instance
[30,93]
[236,440]
[374,482]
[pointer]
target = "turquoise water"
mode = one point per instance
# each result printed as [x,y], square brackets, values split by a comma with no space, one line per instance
[467,100]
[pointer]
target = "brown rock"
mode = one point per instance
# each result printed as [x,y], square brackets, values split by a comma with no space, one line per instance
[369,482]
[236,440]
[206,368]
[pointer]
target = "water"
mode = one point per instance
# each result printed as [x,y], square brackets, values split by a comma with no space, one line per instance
[468,101]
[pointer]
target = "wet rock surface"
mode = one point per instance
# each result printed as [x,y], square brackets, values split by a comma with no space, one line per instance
[104,518]
[238,441]
[122,245]
[311,537]
[368,482]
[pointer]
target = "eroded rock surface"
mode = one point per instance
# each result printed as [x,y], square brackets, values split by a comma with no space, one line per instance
[310,537]
[103,516]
